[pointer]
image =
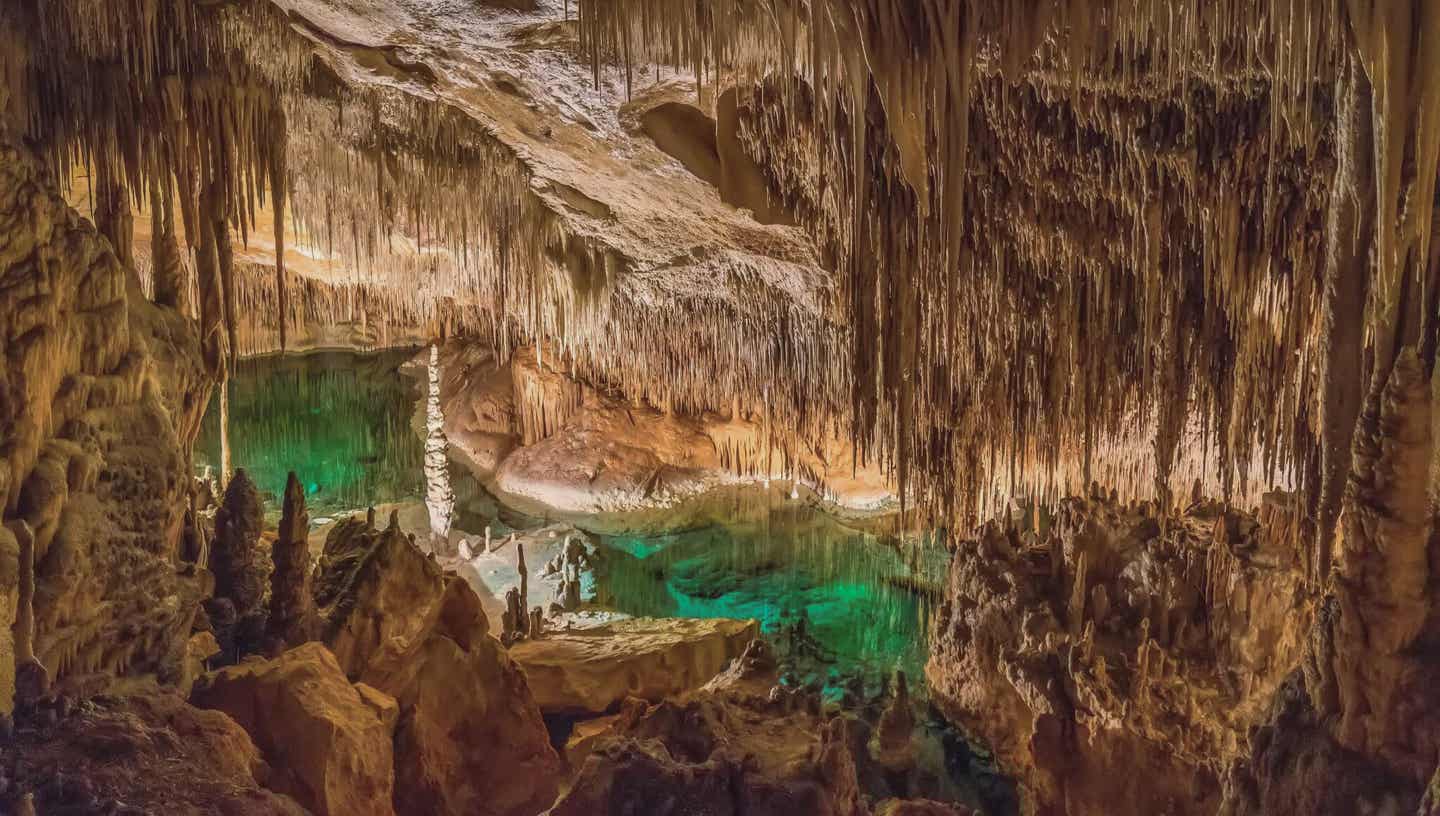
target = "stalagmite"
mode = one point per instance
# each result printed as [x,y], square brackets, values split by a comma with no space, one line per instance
[439,496]
[168,271]
[239,573]
[292,618]
[32,678]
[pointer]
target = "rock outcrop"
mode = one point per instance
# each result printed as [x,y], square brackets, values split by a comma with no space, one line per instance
[1115,658]
[330,745]
[593,669]
[1356,727]
[138,750]
[100,397]
[549,442]
[237,609]
[470,739]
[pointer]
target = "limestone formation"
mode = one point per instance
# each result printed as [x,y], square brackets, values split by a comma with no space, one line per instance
[292,619]
[142,750]
[240,572]
[739,745]
[470,738]
[329,744]
[1081,257]
[589,670]
[97,391]
[1150,702]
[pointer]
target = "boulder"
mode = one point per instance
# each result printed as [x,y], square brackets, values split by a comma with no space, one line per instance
[470,738]
[590,670]
[331,748]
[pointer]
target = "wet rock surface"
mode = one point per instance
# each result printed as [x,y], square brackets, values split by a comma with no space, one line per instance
[741,745]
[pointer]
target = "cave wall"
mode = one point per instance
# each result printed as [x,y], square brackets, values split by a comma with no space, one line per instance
[101,394]
[1115,655]
[1120,658]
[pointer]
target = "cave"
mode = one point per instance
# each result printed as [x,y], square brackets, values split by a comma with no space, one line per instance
[839,407]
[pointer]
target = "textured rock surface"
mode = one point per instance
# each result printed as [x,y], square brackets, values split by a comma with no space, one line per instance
[292,619]
[142,748]
[100,395]
[1116,659]
[741,745]
[591,669]
[552,444]
[241,571]
[327,742]
[1355,727]
[470,739]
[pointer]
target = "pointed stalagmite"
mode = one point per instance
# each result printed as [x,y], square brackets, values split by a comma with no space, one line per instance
[292,618]
[239,571]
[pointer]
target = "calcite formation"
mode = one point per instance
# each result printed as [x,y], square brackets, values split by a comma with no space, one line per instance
[237,609]
[292,619]
[331,742]
[1110,638]
[470,738]
[100,397]
[1135,301]
[741,744]
[592,669]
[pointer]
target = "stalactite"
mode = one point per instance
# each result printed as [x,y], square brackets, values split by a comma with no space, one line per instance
[1012,312]
[278,184]
[166,266]
[1349,234]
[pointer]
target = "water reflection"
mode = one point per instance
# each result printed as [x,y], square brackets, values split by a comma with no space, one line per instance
[837,601]
[341,421]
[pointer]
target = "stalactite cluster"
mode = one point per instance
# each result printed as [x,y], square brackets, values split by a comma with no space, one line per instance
[1089,241]
[285,187]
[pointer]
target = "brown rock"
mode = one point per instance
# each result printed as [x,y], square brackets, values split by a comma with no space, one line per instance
[470,738]
[589,670]
[1126,706]
[292,619]
[240,572]
[330,747]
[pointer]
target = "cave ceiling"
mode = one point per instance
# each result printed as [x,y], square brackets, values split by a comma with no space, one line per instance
[1004,247]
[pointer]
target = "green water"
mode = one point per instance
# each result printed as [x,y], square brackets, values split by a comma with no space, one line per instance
[840,603]
[341,421]
[843,605]
[823,591]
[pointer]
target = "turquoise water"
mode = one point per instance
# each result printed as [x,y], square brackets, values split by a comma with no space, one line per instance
[341,421]
[844,604]
[831,596]
[838,601]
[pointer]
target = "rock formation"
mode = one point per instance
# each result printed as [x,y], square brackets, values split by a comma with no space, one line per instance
[237,609]
[984,251]
[1116,660]
[591,670]
[470,738]
[100,395]
[140,751]
[439,497]
[330,741]
[739,745]
[292,619]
